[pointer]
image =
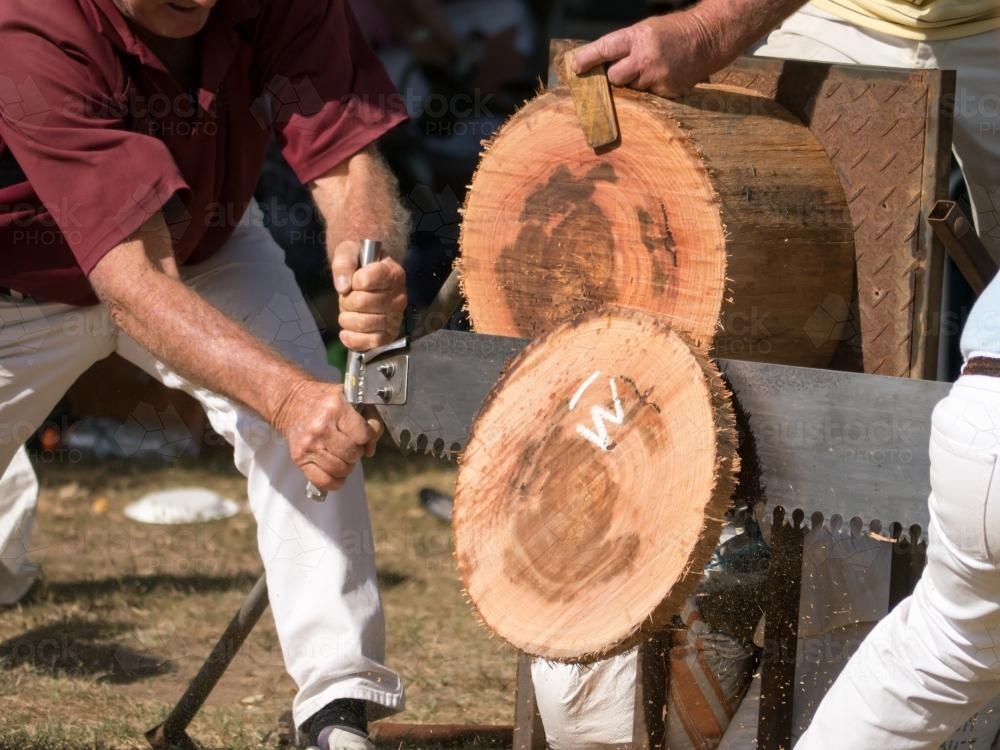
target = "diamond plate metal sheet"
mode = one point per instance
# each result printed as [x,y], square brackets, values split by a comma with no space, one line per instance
[887,133]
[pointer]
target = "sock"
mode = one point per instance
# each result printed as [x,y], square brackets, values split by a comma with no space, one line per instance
[343,713]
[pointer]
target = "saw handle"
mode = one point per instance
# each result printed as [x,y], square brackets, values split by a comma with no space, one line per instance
[352,376]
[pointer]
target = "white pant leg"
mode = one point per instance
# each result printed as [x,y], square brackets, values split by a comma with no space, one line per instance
[813,34]
[318,556]
[19,554]
[43,349]
[935,659]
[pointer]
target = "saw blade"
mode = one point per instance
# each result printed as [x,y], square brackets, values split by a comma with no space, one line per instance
[449,374]
[856,440]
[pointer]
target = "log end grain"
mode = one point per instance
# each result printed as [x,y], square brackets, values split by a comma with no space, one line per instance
[552,229]
[593,487]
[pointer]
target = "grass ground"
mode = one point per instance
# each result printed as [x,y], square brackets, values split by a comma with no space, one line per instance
[126,613]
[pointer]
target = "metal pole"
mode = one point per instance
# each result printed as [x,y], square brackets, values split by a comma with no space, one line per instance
[172,733]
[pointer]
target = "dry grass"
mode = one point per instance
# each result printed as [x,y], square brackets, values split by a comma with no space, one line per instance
[126,613]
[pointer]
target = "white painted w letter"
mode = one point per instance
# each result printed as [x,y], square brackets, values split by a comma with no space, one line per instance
[601,416]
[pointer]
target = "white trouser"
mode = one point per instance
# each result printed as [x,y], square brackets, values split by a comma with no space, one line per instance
[813,34]
[318,555]
[935,659]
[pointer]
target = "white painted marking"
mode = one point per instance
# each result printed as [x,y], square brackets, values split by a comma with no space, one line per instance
[580,391]
[599,435]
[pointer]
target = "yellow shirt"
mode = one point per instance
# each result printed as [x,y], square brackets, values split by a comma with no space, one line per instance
[918,19]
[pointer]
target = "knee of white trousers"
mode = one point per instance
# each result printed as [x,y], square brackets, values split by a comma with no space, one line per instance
[22,547]
[965,486]
[277,486]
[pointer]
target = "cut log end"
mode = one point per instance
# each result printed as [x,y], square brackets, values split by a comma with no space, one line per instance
[552,229]
[593,487]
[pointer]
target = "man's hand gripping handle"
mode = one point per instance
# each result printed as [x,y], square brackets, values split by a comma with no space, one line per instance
[369,254]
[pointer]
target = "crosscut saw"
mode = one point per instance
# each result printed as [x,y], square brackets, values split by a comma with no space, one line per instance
[852,442]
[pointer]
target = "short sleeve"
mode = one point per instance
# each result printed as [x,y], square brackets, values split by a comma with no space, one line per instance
[63,98]
[327,96]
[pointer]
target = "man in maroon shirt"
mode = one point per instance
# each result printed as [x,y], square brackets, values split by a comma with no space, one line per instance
[132,134]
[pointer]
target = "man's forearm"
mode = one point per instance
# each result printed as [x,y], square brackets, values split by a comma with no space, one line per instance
[359,199]
[165,316]
[731,26]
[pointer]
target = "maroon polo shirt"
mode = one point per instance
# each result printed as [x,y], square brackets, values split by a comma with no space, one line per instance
[96,135]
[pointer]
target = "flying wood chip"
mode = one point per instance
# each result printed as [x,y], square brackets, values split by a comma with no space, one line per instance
[593,486]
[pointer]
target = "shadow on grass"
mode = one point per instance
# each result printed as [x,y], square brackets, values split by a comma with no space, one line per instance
[390,579]
[60,592]
[70,591]
[75,647]
[115,652]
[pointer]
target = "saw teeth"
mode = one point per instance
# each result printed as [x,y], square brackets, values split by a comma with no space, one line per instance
[408,443]
[451,453]
[445,454]
[405,442]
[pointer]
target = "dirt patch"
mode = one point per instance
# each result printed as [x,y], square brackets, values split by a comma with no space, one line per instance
[125,613]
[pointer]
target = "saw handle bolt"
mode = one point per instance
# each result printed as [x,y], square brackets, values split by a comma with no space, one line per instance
[388,369]
[384,393]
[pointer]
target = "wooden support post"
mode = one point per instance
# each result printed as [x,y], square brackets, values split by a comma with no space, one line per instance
[529,734]
[652,674]
[781,632]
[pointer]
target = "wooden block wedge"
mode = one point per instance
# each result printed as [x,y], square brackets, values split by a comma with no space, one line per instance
[595,107]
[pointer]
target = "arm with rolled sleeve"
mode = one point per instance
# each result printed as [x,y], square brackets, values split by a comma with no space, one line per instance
[79,152]
[140,283]
[330,100]
[359,199]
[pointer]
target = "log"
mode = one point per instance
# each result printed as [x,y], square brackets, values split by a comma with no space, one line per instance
[720,209]
[593,486]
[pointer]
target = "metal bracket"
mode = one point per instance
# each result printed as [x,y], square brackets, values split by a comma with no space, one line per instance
[380,375]
[385,380]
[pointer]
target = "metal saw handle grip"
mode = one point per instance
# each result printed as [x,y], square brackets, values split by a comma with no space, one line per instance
[352,376]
